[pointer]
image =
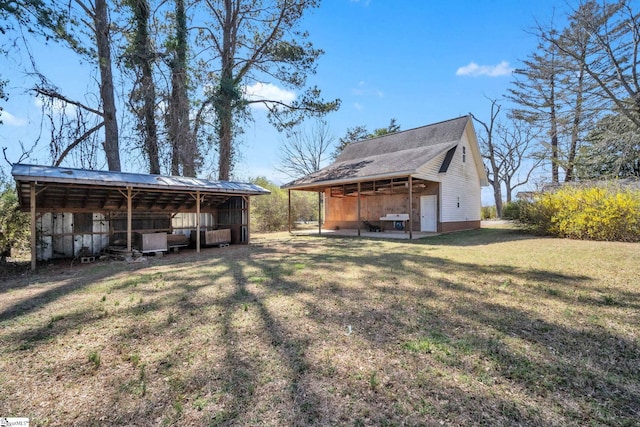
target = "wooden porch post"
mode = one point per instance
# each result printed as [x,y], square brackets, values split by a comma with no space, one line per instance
[248,199]
[197,221]
[319,213]
[33,226]
[129,218]
[358,215]
[410,207]
[289,214]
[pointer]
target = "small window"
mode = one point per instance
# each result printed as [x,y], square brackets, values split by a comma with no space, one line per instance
[464,154]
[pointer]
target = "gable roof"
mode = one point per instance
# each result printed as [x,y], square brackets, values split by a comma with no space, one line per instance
[397,154]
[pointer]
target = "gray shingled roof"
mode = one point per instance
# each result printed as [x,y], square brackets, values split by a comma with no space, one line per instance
[396,154]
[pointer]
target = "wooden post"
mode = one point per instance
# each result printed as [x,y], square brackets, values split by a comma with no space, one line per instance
[248,199]
[33,226]
[358,215]
[198,221]
[319,212]
[410,207]
[129,218]
[289,214]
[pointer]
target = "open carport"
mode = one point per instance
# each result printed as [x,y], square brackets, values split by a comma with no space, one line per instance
[80,192]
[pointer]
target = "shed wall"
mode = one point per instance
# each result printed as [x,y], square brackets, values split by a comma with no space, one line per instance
[60,237]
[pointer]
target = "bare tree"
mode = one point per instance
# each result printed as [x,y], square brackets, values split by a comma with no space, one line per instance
[508,151]
[513,150]
[304,152]
[71,124]
[488,148]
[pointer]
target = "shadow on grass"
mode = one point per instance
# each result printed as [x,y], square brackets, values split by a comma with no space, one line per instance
[425,329]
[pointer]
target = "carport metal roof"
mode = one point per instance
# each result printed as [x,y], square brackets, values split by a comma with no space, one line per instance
[80,190]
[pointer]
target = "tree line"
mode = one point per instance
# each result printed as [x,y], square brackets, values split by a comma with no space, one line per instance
[189,63]
[575,103]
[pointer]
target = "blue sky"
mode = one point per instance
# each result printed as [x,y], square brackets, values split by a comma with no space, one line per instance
[418,61]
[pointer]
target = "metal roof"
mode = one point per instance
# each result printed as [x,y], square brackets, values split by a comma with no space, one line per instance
[125,179]
[70,189]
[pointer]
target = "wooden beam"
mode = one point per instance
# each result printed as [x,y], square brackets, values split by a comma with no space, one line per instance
[33,226]
[319,213]
[129,219]
[289,214]
[248,199]
[358,215]
[410,207]
[198,221]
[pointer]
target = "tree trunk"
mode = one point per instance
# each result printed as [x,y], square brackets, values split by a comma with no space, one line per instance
[225,126]
[145,58]
[111,145]
[497,196]
[577,120]
[507,184]
[553,118]
[226,95]
[183,143]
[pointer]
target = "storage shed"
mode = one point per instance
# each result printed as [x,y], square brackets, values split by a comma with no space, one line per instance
[426,179]
[74,210]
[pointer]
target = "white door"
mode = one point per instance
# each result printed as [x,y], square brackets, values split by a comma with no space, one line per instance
[429,213]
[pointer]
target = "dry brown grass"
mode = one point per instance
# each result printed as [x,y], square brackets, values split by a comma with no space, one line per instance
[488,327]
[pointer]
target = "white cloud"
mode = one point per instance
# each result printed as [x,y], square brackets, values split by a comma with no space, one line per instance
[57,105]
[267,92]
[10,120]
[474,70]
[357,106]
[363,90]
[363,2]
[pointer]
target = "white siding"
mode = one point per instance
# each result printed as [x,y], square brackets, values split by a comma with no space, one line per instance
[44,242]
[100,225]
[460,188]
[183,223]
[429,171]
[56,236]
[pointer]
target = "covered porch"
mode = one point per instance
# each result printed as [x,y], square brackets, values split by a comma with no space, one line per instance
[399,207]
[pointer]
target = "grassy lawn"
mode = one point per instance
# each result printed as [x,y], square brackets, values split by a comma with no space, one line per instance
[489,327]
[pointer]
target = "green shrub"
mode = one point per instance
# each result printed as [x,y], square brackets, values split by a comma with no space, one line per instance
[14,224]
[589,213]
[271,212]
[511,210]
[489,212]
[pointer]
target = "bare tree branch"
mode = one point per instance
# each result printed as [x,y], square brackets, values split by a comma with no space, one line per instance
[76,142]
[55,95]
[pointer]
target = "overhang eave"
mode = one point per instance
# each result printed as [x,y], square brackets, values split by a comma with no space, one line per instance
[322,185]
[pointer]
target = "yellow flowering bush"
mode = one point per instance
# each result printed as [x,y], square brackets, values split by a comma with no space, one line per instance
[589,213]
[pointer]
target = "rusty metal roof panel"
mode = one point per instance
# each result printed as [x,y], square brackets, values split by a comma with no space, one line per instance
[31,173]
